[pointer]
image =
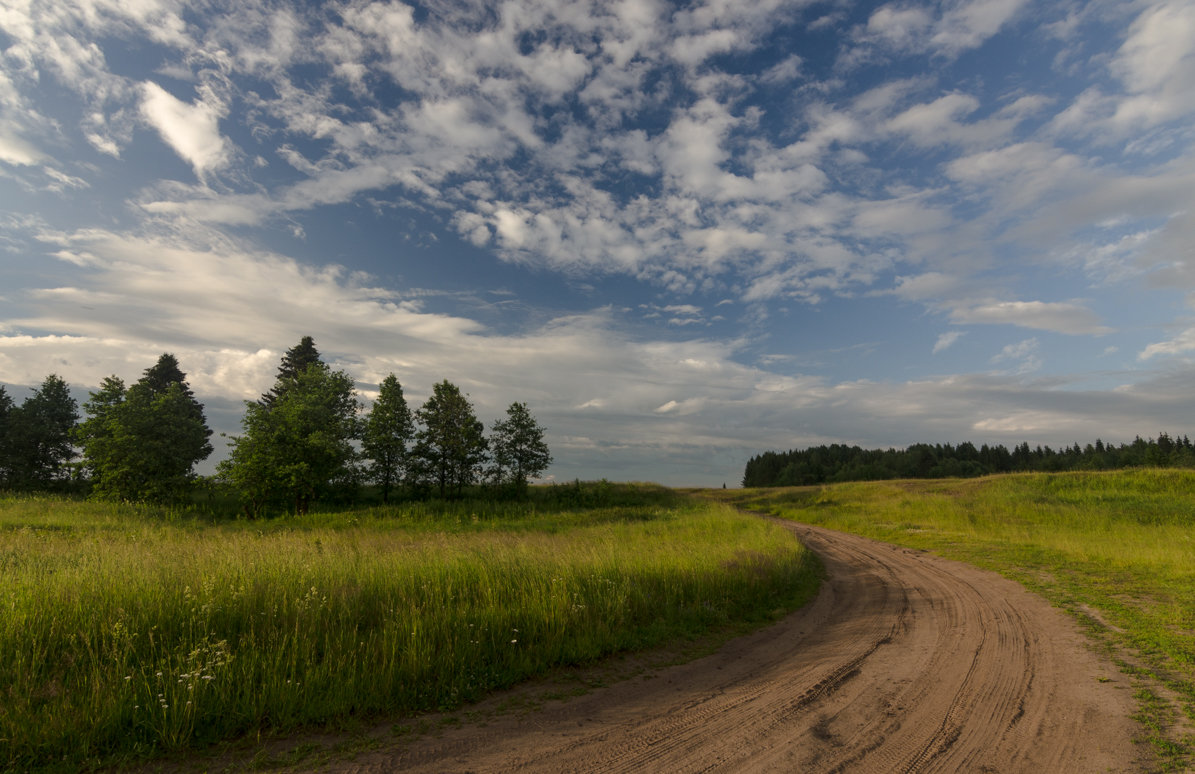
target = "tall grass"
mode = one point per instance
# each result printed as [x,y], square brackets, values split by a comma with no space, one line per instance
[1116,549]
[127,632]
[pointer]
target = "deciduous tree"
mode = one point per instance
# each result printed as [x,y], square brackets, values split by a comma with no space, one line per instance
[39,436]
[6,409]
[300,447]
[450,446]
[518,448]
[388,431]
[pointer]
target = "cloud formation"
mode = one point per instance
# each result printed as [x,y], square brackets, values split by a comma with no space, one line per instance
[192,130]
[694,204]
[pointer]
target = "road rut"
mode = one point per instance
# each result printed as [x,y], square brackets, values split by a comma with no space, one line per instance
[904,662]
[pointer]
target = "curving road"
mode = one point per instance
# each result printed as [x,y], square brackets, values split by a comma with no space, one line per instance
[904,662]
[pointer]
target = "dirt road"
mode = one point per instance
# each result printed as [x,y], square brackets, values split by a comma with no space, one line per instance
[905,662]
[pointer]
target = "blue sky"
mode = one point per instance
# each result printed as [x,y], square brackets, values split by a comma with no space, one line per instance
[682,233]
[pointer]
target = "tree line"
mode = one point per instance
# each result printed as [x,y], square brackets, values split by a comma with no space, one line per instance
[307,438]
[837,462]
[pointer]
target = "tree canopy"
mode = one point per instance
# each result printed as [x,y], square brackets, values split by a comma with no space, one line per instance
[6,452]
[304,440]
[450,448]
[518,448]
[838,462]
[37,437]
[388,431]
[301,446]
[142,444]
[296,360]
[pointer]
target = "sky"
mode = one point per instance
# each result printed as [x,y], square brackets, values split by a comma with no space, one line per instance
[681,233]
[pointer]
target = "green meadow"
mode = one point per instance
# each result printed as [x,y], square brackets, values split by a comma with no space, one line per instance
[1114,549]
[128,633]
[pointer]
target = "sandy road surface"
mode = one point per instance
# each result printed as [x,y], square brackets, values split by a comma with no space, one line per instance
[905,662]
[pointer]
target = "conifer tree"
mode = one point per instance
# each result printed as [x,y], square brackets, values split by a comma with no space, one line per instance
[296,360]
[142,444]
[158,377]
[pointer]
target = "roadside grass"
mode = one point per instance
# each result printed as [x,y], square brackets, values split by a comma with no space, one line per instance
[128,633]
[1114,549]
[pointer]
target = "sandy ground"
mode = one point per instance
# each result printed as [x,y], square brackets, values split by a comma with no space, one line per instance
[904,662]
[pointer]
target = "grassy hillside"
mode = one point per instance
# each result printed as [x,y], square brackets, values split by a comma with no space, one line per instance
[127,632]
[1117,550]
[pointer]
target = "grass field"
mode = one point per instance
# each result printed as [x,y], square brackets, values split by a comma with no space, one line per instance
[127,633]
[1117,550]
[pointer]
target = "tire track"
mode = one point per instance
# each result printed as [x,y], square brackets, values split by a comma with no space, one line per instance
[904,663]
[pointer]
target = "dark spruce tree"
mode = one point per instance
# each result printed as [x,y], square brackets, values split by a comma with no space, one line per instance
[142,444]
[296,360]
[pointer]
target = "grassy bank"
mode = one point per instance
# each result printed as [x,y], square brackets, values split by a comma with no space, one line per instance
[125,633]
[1116,549]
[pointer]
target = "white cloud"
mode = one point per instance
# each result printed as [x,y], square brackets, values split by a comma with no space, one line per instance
[1060,316]
[611,402]
[693,49]
[899,27]
[192,130]
[941,122]
[789,69]
[1157,65]
[1021,424]
[1182,343]
[1024,354]
[14,150]
[901,216]
[966,25]
[904,27]
[946,340]
[725,204]
[926,287]
[591,138]
[1023,162]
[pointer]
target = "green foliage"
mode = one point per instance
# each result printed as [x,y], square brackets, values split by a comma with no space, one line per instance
[37,438]
[6,451]
[450,447]
[125,635]
[518,448]
[142,444]
[388,430]
[300,447]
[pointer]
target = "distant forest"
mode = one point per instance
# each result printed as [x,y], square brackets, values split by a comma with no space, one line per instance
[837,462]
